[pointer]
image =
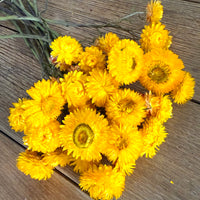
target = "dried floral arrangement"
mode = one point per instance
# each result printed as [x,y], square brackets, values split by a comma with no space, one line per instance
[88,119]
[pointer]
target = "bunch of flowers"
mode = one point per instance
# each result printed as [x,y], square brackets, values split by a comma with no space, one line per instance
[88,120]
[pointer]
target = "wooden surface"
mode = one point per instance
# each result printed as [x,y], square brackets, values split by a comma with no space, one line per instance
[178,159]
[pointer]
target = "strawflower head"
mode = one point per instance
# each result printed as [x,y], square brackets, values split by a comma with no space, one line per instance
[153,134]
[66,50]
[31,163]
[16,117]
[44,105]
[103,182]
[106,43]
[82,134]
[159,107]
[162,71]
[92,58]
[73,88]
[125,61]
[185,90]
[155,36]
[100,86]
[124,146]
[126,107]
[154,11]
[43,138]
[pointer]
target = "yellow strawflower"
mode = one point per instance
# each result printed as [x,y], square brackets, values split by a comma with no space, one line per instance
[58,157]
[46,104]
[106,43]
[159,107]
[162,71]
[73,88]
[103,182]
[125,61]
[82,134]
[126,107]
[43,139]
[81,166]
[124,146]
[92,58]
[155,36]
[16,117]
[154,11]
[31,163]
[185,90]
[66,50]
[100,86]
[153,134]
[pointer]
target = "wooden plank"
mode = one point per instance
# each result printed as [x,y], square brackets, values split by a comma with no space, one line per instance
[15,185]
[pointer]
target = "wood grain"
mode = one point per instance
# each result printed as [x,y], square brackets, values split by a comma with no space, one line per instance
[15,185]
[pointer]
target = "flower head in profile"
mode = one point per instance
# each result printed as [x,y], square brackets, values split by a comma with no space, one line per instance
[16,117]
[44,105]
[82,134]
[73,88]
[57,157]
[100,86]
[126,107]
[103,182]
[162,71]
[125,61]
[92,58]
[124,146]
[66,50]
[153,134]
[155,36]
[43,138]
[185,90]
[154,11]
[31,163]
[106,43]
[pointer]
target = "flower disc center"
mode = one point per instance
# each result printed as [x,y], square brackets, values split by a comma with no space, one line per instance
[126,105]
[83,136]
[158,74]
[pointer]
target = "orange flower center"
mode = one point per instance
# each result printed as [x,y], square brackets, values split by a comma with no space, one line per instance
[126,105]
[83,136]
[158,74]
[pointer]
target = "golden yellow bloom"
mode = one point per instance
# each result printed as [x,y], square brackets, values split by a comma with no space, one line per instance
[66,49]
[124,146]
[73,88]
[81,166]
[185,90]
[58,157]
[16,117]
[159,107]
[46,104]
[82,134]
[125,61]
[92,58]
[155,36]
[153,134]
[154,11]
[162,71]
[126,107]
[100,85]
[106,43]
[103,183]
[31,163]
[43,139]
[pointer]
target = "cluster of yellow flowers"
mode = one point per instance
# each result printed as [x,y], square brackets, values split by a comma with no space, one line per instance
[77,119]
